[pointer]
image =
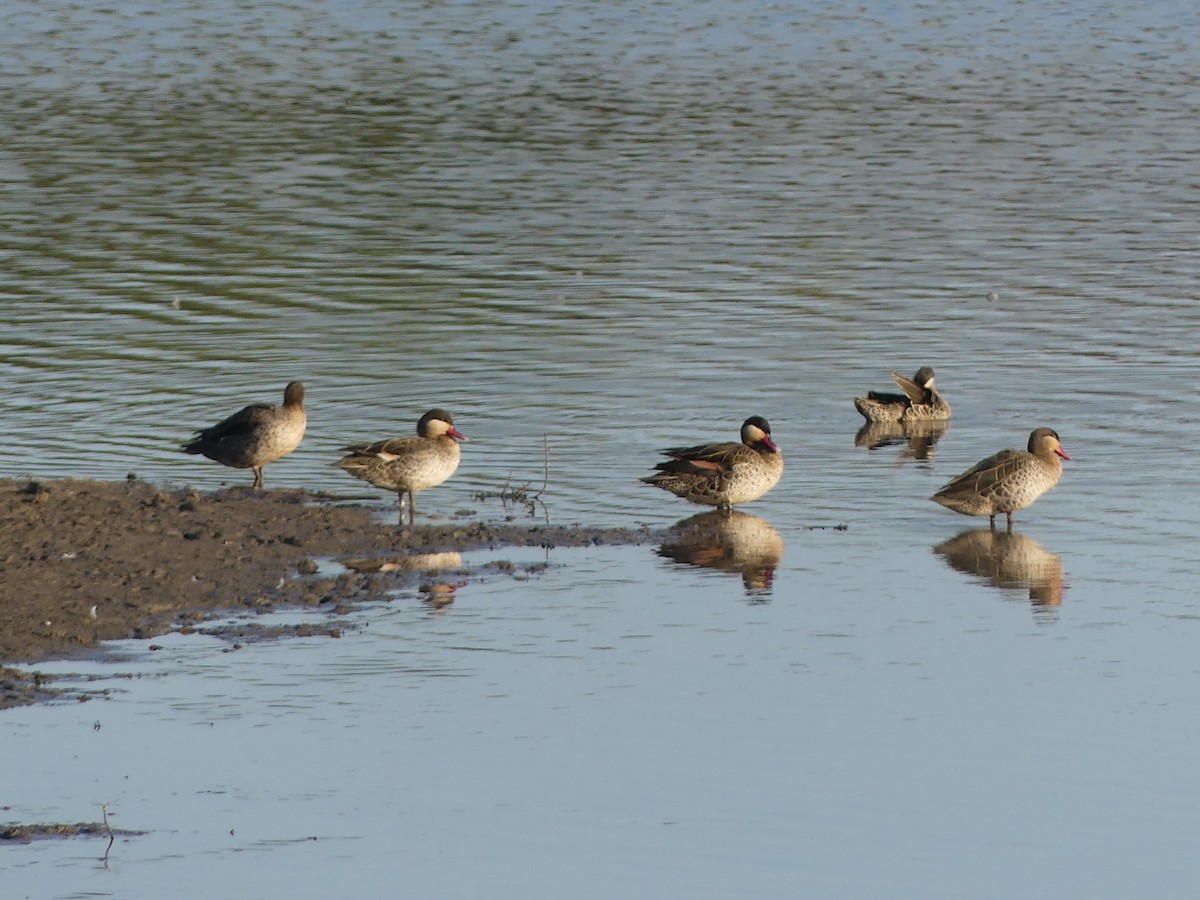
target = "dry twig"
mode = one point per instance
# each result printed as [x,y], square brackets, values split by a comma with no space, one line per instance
[514,496]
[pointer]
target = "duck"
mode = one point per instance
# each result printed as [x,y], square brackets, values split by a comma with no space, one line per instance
[920,401]
[408,465]
[1007,481]
[725,474]
[256,435]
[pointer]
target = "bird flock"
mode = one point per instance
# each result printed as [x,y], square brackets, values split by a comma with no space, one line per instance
[717,474]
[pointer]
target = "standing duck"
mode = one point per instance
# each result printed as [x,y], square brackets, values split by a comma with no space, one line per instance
[722,475]
[256,435]
[919,402]
[408,465]
[1008,481]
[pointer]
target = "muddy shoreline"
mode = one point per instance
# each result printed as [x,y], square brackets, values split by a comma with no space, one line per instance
[85,561]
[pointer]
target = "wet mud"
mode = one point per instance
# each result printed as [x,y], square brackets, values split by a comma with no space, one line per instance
[25,833]
[86,561]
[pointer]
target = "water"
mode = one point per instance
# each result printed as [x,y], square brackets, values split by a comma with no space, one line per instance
[620,723]
[625,227]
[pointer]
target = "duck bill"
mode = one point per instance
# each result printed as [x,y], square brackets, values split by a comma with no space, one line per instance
[771,445]
[456,434]
[1061,452]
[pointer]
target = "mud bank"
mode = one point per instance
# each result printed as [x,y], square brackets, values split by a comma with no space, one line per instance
[86,561]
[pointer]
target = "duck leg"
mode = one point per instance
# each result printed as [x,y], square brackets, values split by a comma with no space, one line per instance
[258,478]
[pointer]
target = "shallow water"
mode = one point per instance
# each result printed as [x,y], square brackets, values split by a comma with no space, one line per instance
[627,227]
[621,723]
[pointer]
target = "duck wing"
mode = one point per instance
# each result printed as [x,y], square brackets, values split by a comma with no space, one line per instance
[385,450]
[241,422]
[913,391]
[707,459]
[984,477]
[890,399]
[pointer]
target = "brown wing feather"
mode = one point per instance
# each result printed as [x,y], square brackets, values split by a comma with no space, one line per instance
[984,477]
[911,389]
[379,449]
[703,460]
[241,422]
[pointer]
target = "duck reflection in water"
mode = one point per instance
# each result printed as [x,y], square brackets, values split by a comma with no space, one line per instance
[414,562]
[436,592]
[920,436]
[734,542]
[1007,560]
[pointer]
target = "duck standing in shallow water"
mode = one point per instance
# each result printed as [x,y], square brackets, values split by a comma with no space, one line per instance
[723,475]
[1008,481]
[408,465]
[256,435]
[920,401]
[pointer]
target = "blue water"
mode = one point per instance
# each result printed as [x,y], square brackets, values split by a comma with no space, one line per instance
[621,724]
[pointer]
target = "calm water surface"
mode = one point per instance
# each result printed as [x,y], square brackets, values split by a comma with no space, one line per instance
[623,227]
[619,724]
